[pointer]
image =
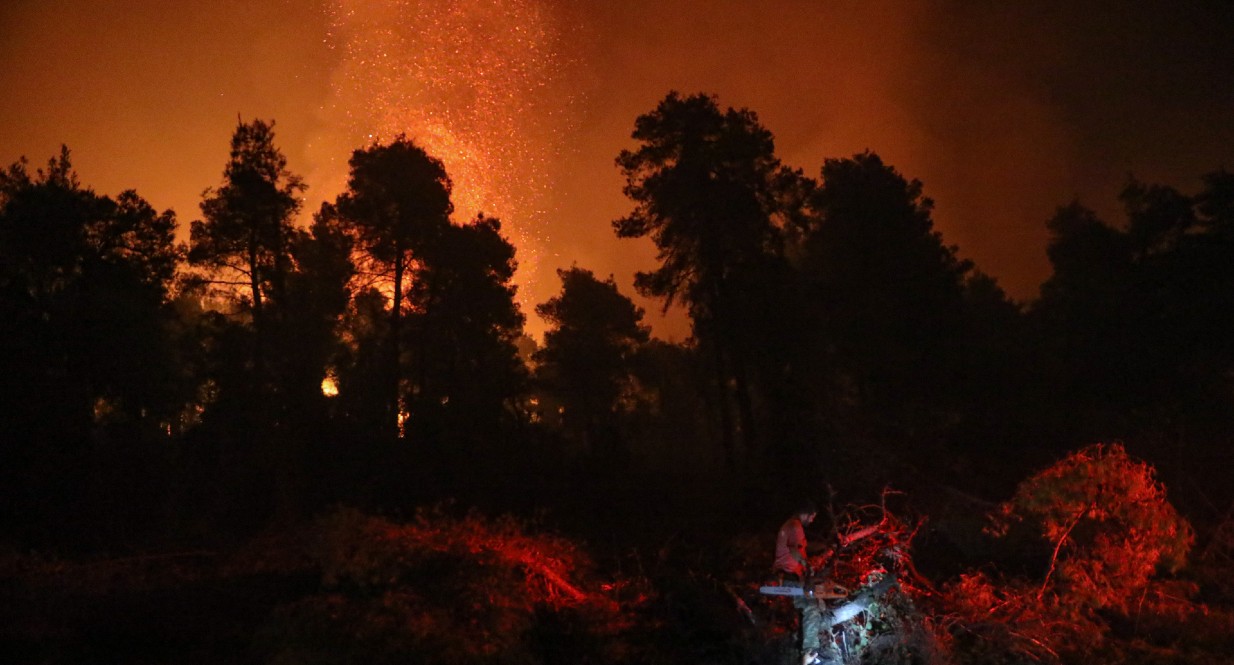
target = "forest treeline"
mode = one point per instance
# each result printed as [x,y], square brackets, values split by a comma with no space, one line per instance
[263,370]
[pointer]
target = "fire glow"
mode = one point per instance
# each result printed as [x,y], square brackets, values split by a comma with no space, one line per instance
[475,84]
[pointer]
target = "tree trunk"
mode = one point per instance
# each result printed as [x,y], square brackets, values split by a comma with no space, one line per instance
[726,414]
[745,409]
[259,319]
[396,312]
[860,603]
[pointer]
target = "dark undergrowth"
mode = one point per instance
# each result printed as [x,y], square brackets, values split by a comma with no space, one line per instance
[675,581]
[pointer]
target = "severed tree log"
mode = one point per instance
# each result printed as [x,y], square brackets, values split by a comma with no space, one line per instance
[572,591]
[849,539]
[866,597]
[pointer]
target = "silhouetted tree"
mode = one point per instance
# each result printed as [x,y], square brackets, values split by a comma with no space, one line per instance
[585,367]
[1212,249]
[244,238]
[672,425]
[709,191]
[1081,318]
[886,288]
[89,359]
[998,392]
[363,364]
[1182,312]
[85,280]
[317,295]
[397,201]
[1137,320]
[462,332]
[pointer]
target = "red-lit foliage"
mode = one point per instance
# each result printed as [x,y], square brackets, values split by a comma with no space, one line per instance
[1108,529]
[547,563]
[871,541]
[1105,532]
[1108,521]
[442,589]
[871,544]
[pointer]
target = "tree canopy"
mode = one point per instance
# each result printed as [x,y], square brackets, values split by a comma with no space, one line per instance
[397,202]
[246,224]
[587,362]
[713,197]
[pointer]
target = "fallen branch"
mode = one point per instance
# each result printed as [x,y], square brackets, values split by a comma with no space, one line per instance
[861,602]
[1059,545]
[553,578]
[850,538]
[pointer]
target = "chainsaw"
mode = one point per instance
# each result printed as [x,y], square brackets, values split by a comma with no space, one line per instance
[824,591]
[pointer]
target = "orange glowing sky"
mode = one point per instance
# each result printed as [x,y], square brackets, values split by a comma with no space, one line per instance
[1004,113]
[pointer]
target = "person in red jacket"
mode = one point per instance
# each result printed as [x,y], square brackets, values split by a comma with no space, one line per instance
[791,556]
[792,559]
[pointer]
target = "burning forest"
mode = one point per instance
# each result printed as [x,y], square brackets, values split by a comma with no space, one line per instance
[481,336]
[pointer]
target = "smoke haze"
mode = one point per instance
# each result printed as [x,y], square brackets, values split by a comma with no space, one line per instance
[1003,111]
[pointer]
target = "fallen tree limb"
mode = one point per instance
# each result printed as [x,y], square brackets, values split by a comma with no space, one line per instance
[553,579]
[849,539]
[860,602]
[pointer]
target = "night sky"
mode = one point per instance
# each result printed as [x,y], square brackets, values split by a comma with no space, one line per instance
[1004,110]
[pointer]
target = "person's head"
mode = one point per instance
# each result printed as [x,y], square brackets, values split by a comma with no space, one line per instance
[807,512]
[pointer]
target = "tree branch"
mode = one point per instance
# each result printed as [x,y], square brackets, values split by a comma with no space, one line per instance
[860,602]
[1059,545]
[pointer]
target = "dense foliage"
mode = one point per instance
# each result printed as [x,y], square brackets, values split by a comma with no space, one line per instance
[202,400]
